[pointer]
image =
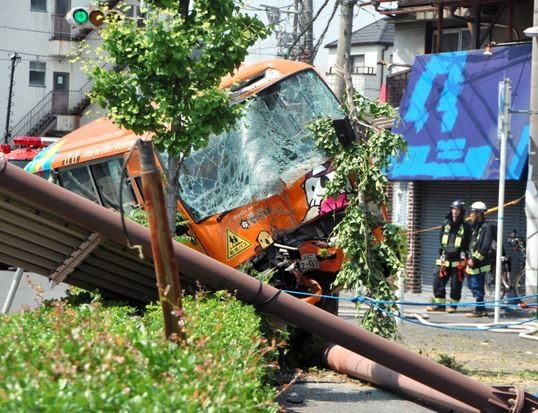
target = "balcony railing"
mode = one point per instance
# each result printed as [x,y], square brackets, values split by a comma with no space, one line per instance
[356,70]
[396,84]
[62,31]
[70,102]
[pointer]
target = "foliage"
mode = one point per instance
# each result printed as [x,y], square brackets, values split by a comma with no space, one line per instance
[451,362]
[139,216]
[371,265]
[174,67]
[167,71]
[90,358]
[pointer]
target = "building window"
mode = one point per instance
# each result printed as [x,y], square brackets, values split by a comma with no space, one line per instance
[357,60]
[37,73]
[456,39]
[38,5]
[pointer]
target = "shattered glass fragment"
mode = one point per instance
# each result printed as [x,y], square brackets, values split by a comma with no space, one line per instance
[269,148]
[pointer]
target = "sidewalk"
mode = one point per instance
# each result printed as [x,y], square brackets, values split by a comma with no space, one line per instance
[498,358]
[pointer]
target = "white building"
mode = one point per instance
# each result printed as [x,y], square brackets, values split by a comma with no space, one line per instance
[49,90]
[370,45]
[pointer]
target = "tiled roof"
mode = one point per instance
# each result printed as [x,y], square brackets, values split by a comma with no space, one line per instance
[378,32]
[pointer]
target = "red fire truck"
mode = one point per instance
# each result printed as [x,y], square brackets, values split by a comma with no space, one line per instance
[25,148]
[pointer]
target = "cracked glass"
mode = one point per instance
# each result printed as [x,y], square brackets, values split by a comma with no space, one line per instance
[269,149]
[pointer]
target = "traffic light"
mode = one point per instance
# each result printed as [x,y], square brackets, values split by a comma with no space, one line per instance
[85,17]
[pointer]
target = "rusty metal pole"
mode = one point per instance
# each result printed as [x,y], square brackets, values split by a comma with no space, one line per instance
[342,360]
[161,245]
[440,19]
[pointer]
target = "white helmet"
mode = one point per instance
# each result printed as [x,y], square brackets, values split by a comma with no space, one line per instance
[478,206]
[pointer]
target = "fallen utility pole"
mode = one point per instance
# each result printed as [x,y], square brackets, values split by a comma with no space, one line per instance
[166,273]
[342,360]
[34,193]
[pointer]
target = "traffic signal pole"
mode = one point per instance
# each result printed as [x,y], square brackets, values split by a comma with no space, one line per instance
[531,194]
[15,58]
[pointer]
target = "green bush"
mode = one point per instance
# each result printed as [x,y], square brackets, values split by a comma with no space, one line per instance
[94,358]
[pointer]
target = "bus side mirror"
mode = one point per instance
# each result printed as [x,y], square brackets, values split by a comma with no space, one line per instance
[344,131]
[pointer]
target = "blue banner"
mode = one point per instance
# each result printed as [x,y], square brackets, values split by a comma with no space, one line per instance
[448,116]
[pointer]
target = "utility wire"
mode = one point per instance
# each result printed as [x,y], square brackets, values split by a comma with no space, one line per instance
[306,28]
[316,48]
[22,29]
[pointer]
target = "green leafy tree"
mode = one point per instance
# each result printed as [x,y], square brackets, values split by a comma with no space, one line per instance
[168,70]
[371,265]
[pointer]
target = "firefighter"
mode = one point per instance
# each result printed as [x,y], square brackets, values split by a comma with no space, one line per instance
[479,263]
[455,237]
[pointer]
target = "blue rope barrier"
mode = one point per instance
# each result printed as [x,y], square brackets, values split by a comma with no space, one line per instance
[363,299]
[375,304]
[446,327]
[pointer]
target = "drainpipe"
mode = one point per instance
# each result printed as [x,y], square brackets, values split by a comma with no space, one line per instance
[45,196]
[440,17]
[385,48]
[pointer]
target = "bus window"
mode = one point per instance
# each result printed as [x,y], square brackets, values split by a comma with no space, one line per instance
[268,149]
[138,182]
[20,163]
[79,181]
[107,177]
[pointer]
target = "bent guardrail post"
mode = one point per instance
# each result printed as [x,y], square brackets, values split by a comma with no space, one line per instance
[166,273]
[55,200]
[12,290]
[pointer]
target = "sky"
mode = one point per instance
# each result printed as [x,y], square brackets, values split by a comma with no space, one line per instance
[267,49]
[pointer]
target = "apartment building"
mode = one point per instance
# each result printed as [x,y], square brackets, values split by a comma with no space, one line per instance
[49,89]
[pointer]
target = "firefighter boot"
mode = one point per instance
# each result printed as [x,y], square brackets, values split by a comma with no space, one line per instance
[435,308]
[453,307]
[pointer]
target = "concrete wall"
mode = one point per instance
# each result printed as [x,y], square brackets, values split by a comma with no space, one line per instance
[408,43]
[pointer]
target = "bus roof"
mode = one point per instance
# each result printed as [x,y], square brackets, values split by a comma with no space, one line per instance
[249,71]
[92,141]
[101,137]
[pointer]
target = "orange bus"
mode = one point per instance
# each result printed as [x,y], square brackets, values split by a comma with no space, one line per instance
[254,196]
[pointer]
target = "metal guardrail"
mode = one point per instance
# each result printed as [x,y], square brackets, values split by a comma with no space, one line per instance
[355,70]
[61,30]
[78,99]
[43,110]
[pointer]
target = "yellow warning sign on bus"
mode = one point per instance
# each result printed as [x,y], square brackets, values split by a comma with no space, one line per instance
[235,244]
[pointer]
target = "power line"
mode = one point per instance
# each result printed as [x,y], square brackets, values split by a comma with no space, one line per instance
[46,57]
[305,29]
[316,48]
[22,29]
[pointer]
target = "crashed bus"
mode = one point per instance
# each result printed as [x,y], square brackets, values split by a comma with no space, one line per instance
[253,197]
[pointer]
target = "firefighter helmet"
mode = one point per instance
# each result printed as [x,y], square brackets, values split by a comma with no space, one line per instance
[479,206]
[459,204]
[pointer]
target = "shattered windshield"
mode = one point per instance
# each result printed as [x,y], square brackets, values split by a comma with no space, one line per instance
[268,149]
